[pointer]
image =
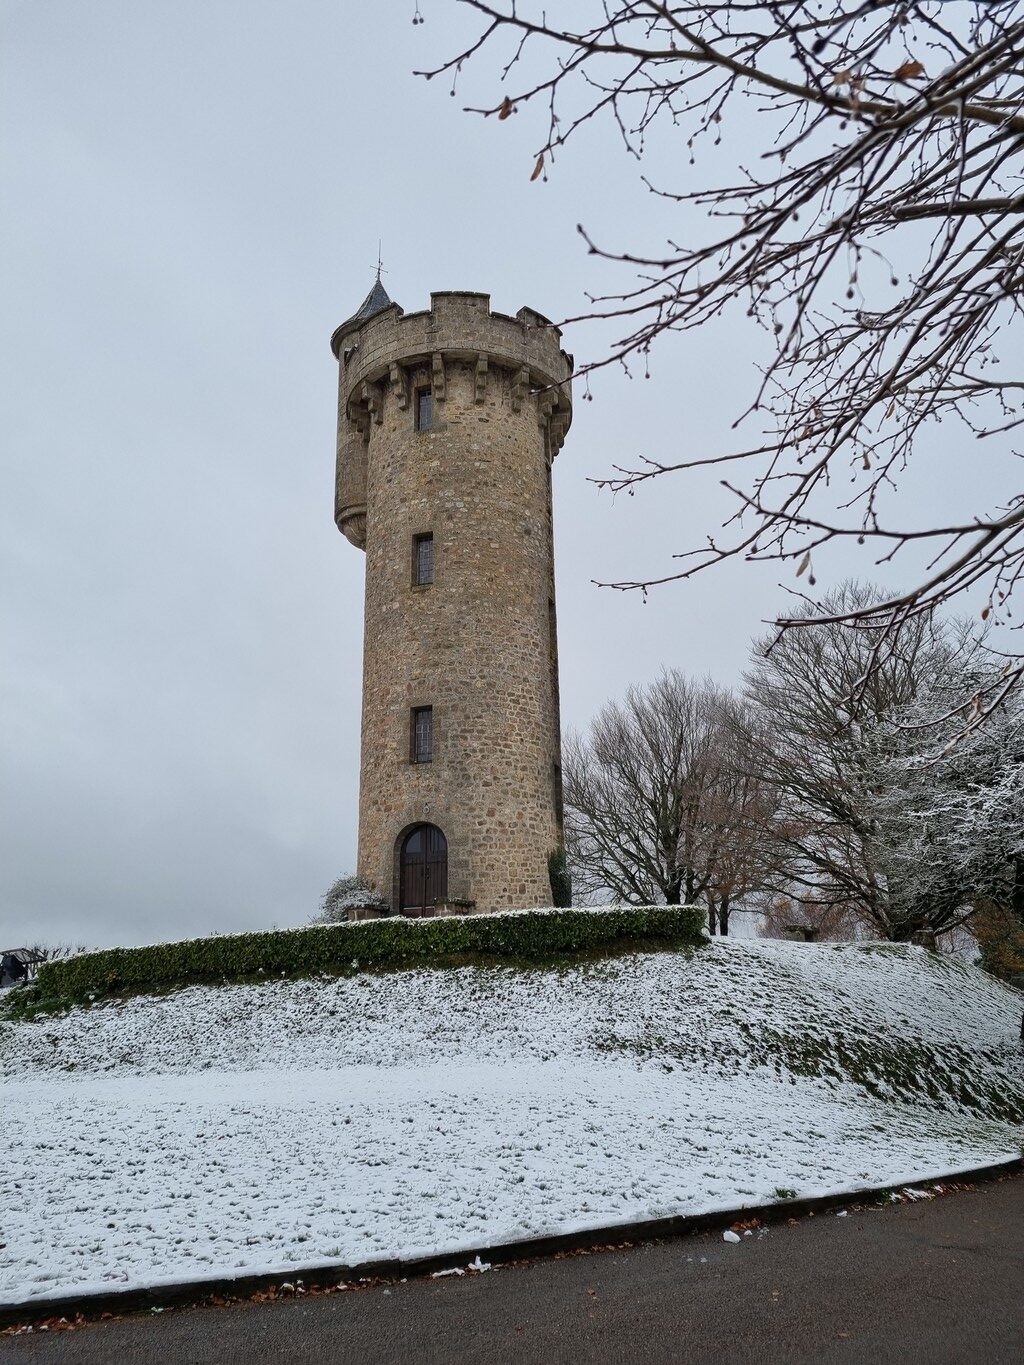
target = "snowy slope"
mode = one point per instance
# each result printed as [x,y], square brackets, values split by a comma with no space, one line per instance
[265,1127]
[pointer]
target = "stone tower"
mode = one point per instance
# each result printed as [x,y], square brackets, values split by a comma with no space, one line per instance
[448,421]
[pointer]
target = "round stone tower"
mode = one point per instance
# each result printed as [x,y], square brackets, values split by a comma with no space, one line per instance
[448,421]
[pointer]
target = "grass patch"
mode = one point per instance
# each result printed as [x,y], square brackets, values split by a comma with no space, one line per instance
[987,1081]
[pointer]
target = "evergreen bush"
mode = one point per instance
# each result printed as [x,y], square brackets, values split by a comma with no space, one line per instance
[530,935]
[561,878]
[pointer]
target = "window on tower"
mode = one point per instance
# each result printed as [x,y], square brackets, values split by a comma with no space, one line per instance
[421,734]
[424,409]
[423,559]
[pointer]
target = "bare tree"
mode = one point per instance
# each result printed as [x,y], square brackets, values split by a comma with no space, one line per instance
[739,813]
[842,137]
[655,810]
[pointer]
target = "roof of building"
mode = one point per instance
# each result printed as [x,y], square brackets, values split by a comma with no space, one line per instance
[375,302]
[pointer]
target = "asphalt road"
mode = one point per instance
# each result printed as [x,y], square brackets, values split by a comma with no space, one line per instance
[933,1281]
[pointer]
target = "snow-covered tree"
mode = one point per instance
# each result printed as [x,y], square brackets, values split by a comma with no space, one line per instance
[871,821]
[948,818]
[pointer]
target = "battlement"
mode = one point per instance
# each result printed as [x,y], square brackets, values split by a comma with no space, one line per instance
[459,325]
[382,349]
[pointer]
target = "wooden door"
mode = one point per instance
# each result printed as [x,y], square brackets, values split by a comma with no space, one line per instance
[424,869]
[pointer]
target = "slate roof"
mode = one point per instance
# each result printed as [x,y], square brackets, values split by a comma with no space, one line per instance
[375,302]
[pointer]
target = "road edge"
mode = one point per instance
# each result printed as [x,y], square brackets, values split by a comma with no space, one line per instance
[195,1293]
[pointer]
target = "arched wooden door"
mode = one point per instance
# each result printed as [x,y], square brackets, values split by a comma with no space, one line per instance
[423,861]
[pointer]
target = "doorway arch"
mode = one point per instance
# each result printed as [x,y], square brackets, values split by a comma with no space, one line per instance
[422,870]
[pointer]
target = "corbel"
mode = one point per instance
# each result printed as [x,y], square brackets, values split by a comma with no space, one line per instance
[480,390]
[557,427]
[371,397]
[520,388]
[545,404]
[400,386]
[437,380]
[359,418]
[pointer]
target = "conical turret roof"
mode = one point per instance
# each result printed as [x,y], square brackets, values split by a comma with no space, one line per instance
[375,302]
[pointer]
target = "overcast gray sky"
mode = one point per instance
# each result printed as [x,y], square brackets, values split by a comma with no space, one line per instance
[192,195]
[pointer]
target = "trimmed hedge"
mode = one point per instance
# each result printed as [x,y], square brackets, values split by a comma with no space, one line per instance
[530,935]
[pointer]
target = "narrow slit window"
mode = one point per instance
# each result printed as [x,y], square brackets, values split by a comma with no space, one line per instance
[423,559]
[421,733]
[424,409]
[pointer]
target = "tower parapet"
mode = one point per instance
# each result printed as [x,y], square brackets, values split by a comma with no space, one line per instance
[377,350]
[448,421]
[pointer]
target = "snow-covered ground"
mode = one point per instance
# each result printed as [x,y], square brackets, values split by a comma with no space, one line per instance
[249,1128]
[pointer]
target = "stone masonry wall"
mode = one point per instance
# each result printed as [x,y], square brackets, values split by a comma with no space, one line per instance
[478,644]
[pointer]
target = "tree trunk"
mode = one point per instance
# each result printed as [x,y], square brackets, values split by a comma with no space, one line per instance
[723,916]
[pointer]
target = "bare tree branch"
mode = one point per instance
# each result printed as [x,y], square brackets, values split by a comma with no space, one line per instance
[884,132]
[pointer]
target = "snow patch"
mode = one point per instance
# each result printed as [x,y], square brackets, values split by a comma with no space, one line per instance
[273,1128]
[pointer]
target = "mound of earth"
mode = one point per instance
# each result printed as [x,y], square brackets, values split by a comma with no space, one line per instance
[269,1127]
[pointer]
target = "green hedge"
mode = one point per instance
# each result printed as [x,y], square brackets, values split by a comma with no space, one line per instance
[533,936]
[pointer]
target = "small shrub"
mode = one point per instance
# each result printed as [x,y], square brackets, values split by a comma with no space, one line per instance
[20,1002]
[345,896]
[536,936]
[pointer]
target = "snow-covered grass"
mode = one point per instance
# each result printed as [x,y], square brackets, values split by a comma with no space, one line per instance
[266,1127]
